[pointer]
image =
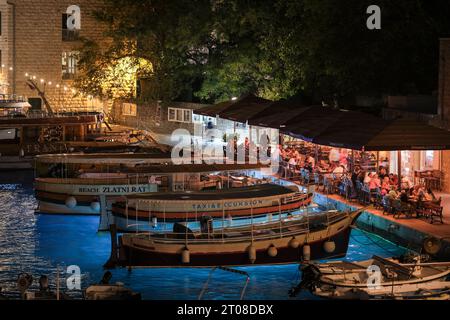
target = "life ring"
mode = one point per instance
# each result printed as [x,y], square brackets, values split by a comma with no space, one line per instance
[431,245]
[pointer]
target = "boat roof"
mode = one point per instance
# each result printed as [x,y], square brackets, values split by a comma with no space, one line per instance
[103,158]
[257,191]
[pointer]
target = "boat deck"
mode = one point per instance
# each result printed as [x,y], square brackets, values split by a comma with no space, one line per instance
[258,191]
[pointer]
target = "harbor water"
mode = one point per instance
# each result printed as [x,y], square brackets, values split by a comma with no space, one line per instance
[49,244]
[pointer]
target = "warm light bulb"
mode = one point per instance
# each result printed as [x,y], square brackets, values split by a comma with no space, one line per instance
[26,74]
[49,83]
[42,80]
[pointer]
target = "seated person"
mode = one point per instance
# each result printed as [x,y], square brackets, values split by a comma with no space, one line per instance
[374,183]
[292,161]
[392,194]
[404,197]
[385,186]
[394,179]
[382,173]
[367,178]
[406,184]
[339,171]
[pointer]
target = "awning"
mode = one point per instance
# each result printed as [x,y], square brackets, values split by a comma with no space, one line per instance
[313,122]
[278,114]
[369,133]
[326,126]
[239,110]
[213,110]
[405,134]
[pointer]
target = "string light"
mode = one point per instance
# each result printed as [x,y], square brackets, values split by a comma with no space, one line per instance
[65,87]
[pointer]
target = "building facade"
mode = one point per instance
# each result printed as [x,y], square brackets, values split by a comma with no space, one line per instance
[36,43]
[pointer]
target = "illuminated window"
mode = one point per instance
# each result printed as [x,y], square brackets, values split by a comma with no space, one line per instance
[69,64]
[180,115]
[67,34]
[429,159]
[129,109]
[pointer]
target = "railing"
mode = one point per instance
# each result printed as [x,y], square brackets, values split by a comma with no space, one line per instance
[274,230]
[101,181]
[11,98]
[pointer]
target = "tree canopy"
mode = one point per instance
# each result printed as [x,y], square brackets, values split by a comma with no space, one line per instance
[212,50]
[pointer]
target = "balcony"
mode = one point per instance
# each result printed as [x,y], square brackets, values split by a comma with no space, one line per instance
[70,35]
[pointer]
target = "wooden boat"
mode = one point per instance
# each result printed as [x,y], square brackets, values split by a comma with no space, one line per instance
[144,212]
[319,236]
[81,195]
[106,291]
[377,278]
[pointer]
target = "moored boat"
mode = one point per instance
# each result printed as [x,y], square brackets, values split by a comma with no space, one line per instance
[73,184]
[376,278]
[304,237]
[146,212]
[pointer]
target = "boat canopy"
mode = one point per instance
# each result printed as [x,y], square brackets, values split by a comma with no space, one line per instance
[334,127]
[239,110]
[249,193]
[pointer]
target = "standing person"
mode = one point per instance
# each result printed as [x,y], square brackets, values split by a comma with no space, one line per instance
[355,174]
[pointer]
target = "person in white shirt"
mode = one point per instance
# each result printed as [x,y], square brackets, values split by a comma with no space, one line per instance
[335,155]
[293,161]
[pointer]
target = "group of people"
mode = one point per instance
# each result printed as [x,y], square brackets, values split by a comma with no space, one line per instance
[378,183]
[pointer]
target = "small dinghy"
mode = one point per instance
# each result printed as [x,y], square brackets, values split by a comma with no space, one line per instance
[376,278]
[106,291]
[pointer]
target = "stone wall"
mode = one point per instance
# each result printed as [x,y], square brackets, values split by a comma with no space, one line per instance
[33,44]
[148,117]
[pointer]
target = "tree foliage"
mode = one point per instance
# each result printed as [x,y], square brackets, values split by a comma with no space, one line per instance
[218,49]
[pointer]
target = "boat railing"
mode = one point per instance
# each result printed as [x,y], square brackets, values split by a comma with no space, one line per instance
[11,98]
[260,231]
[295,197]
[90,181]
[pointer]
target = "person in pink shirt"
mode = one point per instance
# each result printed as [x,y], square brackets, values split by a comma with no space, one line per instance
[385,186]
[374,183]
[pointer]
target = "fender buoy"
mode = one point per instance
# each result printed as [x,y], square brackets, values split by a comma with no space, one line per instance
[272,251]
[329,246]
[71,202]
[154,222]
[294,243]
[185,256]
[306,252]
[95,206]
[432,245]
[251,253]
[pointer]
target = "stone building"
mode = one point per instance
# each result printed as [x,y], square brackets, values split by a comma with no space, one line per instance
[161,119]
[35,41]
